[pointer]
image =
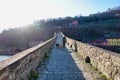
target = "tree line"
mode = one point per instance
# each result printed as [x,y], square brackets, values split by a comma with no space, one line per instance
[89,28]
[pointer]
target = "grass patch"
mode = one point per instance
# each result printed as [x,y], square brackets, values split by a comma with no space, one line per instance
[78,54]
[93,67]
[47,53]
[100,72]
[104,77]
[33,75]
[30,60]
[39,65]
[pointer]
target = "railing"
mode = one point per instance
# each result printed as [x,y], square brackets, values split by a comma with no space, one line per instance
[105,61]
[19,66]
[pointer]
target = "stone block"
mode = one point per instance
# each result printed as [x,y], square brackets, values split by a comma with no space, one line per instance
[19,66]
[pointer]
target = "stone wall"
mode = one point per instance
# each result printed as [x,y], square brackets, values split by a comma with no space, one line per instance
[19,66]
[105,61]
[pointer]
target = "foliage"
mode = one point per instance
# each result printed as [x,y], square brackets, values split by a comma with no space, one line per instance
[89,28]
[33,75]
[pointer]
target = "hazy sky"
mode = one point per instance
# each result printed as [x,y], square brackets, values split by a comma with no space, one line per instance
[16,13]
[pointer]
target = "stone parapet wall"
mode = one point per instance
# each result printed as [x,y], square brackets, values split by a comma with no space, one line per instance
[19,66]
[105,61]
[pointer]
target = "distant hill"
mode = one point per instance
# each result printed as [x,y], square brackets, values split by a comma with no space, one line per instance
[109,14]
[99,25]
[20,37]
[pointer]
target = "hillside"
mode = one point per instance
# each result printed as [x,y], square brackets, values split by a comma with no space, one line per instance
[101,25]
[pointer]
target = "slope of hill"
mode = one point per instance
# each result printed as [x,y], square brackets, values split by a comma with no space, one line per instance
[101,25]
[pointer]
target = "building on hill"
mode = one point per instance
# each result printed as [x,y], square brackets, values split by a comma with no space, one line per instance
[99,41]
[75,22]
[113,41]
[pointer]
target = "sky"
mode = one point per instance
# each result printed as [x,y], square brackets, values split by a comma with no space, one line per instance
[19,13]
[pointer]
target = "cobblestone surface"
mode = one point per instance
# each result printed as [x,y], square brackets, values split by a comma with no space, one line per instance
[63,64]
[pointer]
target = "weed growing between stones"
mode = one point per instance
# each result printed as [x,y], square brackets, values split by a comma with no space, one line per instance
[102,75]
[30,60]
[33,75]
[45,56]
[41,61]
[47,52]
[39,65]
[100,72]
[78,54]
[93,67]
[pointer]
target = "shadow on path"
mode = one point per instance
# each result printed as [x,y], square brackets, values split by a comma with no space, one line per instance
[60,65]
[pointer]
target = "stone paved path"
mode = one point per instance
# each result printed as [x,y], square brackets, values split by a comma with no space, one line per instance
[63,65]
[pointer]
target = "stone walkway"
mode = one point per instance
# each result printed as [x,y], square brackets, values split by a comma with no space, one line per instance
[62,64]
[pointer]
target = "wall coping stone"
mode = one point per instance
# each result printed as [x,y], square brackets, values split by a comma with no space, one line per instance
[5,63]
[104,50]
